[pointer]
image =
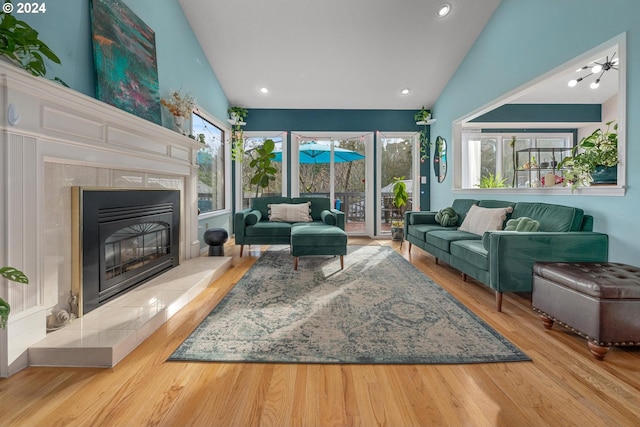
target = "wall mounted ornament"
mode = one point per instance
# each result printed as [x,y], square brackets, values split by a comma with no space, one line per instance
[124,54]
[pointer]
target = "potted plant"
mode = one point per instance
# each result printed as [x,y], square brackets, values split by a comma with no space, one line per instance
[594,159]
[264,171]
[237,116]
[422,116]
[19,43]
[400,200]
[180,106]
[14,275]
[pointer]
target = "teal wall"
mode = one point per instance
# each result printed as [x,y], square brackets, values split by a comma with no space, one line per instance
[66,29]
[328,120]
[525,39]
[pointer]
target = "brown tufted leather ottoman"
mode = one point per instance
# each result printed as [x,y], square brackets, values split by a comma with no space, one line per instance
[600,301]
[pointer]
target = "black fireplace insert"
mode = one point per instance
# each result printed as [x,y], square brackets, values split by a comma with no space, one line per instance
[126,238]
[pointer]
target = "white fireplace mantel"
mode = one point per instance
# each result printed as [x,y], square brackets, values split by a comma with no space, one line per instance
[44,123]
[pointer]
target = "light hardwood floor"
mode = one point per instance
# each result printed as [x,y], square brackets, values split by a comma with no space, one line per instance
[562,386]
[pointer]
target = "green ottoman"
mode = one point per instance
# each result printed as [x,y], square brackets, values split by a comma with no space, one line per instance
[318,240]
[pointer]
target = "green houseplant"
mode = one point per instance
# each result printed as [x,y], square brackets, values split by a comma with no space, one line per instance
[421,118]
[20,44]
[237,116]
[14,275]
[400,201]
[264,172]
[594,153]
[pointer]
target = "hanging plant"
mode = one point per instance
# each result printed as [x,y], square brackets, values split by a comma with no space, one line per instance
[237,116]
[422,116]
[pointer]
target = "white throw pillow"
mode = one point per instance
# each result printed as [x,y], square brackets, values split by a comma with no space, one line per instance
[479,220]
[285,212]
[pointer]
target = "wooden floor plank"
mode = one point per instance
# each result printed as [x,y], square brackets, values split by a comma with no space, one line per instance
[562,385]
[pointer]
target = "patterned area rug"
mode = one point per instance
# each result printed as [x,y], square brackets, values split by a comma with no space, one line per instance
[379,309]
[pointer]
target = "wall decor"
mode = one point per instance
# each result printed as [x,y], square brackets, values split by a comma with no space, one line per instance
[124,54]
[440,159]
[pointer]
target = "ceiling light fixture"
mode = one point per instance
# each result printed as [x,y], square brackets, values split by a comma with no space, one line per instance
[597,67]
[264,90]
[443,10]
[405,91]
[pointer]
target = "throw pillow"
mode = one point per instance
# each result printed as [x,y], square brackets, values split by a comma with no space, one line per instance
[285,212]
[522,224]
[447,217]
[479,220]
[253,217]
[328,217]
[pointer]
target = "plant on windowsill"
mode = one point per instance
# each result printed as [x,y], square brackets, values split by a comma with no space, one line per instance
[14,275]
[19,43]
[594,156]
[400,200]
[237,116]
[180,106]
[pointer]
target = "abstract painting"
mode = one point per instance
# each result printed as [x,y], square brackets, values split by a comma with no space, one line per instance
[124,53]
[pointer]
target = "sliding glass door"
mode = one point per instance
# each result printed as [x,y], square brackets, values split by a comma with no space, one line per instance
[335,168]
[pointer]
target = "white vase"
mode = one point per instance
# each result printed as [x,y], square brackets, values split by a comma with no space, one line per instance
[178,123]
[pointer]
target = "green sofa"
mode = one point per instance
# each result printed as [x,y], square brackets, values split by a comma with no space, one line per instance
[503,260]
[252,226]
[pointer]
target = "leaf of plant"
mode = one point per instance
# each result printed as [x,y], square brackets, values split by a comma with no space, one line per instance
[13,274]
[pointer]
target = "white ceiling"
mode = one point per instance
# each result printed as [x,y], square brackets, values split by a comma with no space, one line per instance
[338,54]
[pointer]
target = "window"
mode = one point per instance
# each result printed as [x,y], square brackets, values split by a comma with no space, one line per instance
[250,191]
[490,160]
[211,173]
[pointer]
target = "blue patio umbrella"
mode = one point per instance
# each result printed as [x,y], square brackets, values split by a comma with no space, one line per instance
[314,153]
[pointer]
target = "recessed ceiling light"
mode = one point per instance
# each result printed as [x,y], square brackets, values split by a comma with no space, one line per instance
[405,91]
[264,90]
[443,10]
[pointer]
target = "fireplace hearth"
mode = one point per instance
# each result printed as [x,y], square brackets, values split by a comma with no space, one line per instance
[122,238]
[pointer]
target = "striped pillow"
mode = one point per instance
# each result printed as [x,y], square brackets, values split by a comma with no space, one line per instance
[479,220]
[285,212]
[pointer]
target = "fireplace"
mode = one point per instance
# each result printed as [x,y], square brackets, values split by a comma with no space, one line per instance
[121,239]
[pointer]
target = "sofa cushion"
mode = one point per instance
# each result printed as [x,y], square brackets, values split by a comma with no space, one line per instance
[290,212]
[420,231]
[269,229]
[551,217]
[479,220]
[318,204]
[253,217]
[442,239]
[262,203]
[472,251]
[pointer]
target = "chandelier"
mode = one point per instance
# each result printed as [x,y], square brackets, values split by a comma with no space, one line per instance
[596,68]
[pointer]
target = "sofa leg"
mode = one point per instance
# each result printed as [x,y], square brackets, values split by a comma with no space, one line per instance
[499,302]
[241,248]
[341,262]
[464,277]
[295,262]
[548,323]
[410,244]
[436,261]
[598,351]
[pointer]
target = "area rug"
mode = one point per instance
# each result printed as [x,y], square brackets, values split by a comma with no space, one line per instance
[379,309]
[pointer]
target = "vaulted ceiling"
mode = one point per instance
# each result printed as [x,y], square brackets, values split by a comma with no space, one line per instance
[338,54]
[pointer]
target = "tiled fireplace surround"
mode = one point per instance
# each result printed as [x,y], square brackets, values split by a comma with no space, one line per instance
[54,138]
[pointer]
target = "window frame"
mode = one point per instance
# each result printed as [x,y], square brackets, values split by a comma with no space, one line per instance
[226,131]
[465,122]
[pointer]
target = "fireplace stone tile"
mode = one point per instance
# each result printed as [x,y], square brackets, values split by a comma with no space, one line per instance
[107,334]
